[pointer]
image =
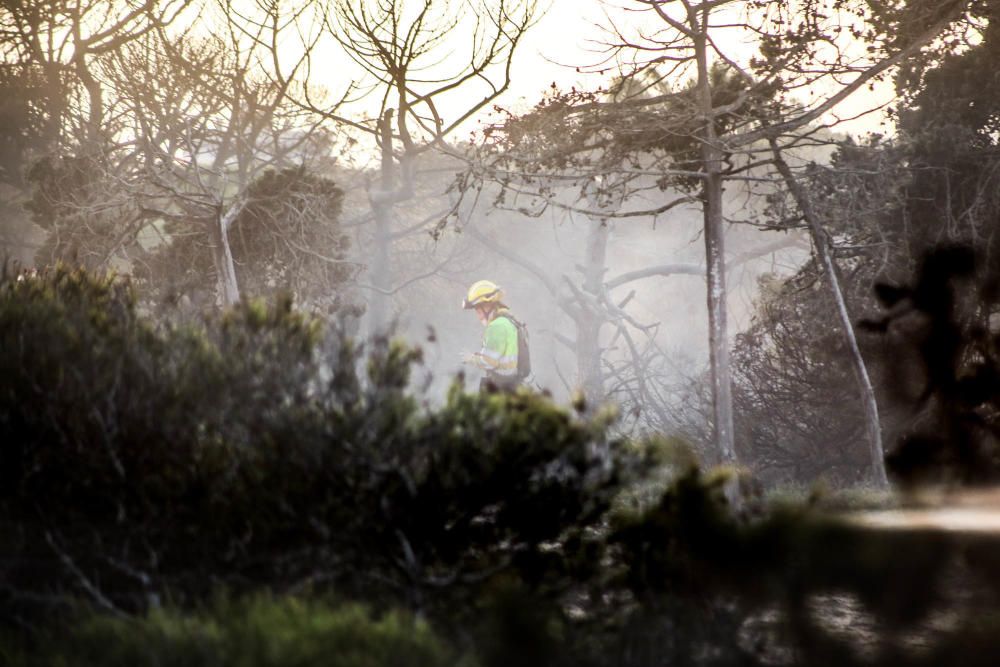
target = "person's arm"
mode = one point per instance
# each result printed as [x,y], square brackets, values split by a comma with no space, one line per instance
[493,355]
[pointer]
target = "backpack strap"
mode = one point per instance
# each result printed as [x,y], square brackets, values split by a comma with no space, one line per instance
[518,324]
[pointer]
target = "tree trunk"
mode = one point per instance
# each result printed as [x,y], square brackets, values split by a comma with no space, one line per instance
[228,289]
[55,104]
[590,375]
[715,259]
[95,116]
[380,268]
[380,271]
[865,389]
[95,101]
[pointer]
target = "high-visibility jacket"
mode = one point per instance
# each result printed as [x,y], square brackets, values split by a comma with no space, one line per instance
[498,356]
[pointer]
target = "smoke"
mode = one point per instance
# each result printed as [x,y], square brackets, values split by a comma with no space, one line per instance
[541,262]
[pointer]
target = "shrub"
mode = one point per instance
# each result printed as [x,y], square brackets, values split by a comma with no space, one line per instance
[260,632]
[142,461]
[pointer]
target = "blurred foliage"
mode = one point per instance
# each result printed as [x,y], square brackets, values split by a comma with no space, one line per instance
[638,118]
[798,417]
[147,469]
[258,632]
[947,362]
[144,462]
[23,94]
[286,238]
[87,214]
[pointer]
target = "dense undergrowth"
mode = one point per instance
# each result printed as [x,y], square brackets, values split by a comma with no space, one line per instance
[252,490]
[261,632]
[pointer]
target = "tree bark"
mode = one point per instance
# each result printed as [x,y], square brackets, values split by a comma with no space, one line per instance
[95,102]
[228,288]
[380,269]
[588,336]
[865,389]
[715,257]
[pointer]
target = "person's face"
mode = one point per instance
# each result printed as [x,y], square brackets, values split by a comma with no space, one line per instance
[483,313]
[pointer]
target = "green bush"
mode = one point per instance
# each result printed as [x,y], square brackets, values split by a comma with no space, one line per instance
[262,632]
[141,460]
[145,463]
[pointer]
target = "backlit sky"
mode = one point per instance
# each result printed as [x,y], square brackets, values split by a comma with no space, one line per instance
[568,35]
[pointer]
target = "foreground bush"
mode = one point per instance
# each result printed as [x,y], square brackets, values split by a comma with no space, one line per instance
[142,462]
[260,633]
[145,464]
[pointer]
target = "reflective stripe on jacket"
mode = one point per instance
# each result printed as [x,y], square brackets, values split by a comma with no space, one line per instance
[499,352]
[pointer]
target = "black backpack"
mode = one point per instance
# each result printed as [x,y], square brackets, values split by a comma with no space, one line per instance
[523,352]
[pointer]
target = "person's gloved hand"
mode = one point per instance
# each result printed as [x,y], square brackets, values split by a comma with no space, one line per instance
[468,358]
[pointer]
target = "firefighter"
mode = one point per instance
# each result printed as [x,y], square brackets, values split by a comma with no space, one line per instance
[503,355]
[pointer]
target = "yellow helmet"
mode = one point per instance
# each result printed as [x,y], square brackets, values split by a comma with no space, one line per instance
[482,292]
